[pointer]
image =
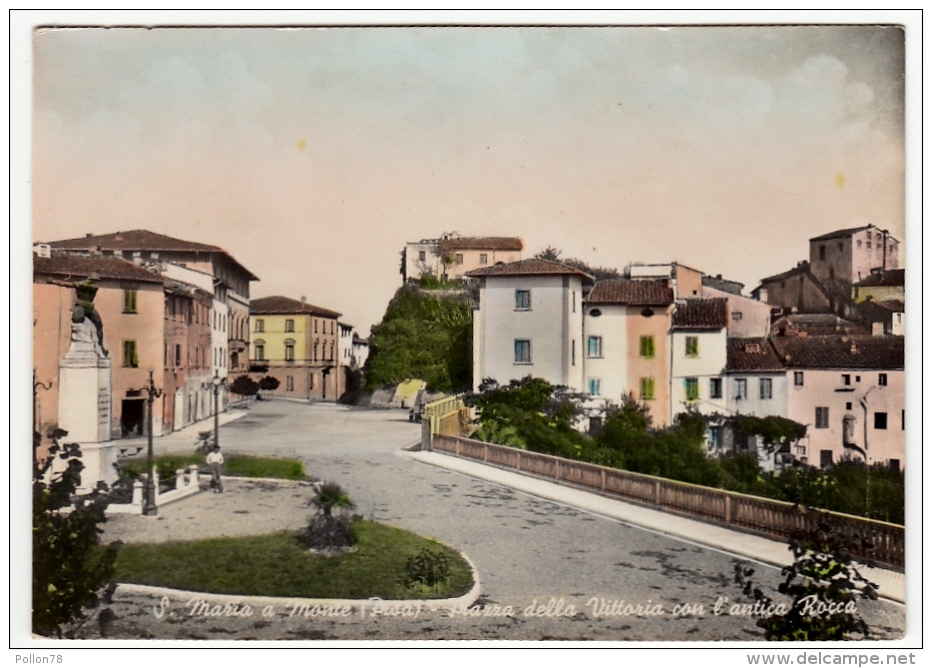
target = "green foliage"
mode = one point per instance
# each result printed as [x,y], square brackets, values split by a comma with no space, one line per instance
[246,466]
[244,386]
[599,273]
[269,383]
[422,337]
[428,570]
[69,569]
[325,531]
[431,282]
[774,429]
[825,588]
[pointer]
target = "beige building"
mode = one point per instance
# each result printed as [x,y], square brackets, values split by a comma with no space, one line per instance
[453,256]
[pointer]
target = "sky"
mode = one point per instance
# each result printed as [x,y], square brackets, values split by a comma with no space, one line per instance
[312,155]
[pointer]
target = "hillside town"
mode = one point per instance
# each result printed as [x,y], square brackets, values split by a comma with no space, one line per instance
[821,344]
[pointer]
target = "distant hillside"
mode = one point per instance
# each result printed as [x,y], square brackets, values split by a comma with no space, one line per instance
[424,337]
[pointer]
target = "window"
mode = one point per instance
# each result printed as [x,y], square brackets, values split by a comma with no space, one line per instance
[868,245]
[647,347]
[177,354]
[459,258]
[848,405]
[821,417]
[741,388]
[130,356]
[798,378]
[859,243]
[715,388]
[647,389]
[736,316]
[595,346]
[574,301]
[289,383]
[880,420]
[289,350]
[522,351]
[846,379]
[822,252]
[289,325]
[691,386]
[260,325]
[260,350]
[825,456]
[715,437]
[315,325]
[422,255]
[595,386]
[766,388]
[573,352]
[882,379]
[129,300]
[692,346]
[483,258]
[841,245]
[331,358]
[522,300]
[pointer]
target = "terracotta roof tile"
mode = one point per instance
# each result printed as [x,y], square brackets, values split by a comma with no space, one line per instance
[79,267]
[841,352]
[141,240]
[482,243]
[701,314]
[532,267]
[752,354]
[636,292]
[285,305]
[841,234]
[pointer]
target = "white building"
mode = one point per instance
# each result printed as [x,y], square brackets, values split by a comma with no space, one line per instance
[529,322]
[698,356]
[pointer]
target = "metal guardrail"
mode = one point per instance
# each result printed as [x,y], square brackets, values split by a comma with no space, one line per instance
[875,540]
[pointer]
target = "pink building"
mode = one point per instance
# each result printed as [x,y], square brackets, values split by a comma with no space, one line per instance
[130,303]
[847,256]
[452,255]
[850,392]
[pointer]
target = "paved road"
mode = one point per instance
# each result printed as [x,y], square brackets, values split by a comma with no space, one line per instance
[525,548]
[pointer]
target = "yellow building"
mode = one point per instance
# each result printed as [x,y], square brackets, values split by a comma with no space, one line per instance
[296,343]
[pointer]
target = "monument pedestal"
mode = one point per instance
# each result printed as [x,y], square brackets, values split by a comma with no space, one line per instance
[84,384]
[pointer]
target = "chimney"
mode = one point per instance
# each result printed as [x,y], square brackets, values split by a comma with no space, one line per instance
[854,348]
[303,299]
[88,234]
[42,250]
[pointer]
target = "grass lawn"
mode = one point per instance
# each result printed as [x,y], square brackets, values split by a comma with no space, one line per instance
[246,466]
[278,565]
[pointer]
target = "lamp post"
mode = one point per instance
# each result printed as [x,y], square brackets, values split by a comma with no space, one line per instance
[150,508]
[217,382]
[36,384]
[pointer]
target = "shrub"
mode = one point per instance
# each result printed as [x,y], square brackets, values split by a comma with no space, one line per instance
[428,569]
[70,573]
[825,587]
[269,383]
[244,386]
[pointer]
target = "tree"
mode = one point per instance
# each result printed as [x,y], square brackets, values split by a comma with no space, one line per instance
[70,573]
[269,383]
[599,273]
[244,386]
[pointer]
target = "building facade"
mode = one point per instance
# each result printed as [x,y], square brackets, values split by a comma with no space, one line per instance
[698,356]
[453,256]
[298,344]
[528,323]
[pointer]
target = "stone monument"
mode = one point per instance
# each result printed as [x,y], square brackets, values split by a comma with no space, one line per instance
[84,392]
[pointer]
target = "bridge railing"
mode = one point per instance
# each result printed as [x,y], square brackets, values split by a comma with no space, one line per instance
[878,541]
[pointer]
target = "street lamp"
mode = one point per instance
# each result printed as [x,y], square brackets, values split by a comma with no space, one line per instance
[36,384]
[150,508]
[217,382]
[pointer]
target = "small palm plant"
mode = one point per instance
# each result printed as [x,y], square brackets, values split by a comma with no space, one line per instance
[326,530]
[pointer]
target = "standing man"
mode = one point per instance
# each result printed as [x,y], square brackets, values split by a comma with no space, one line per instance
[215,462]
